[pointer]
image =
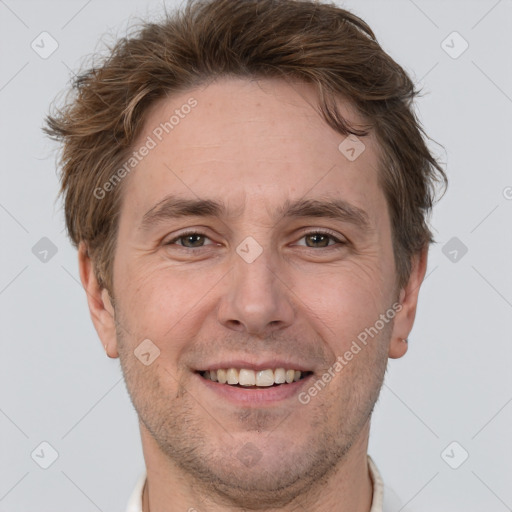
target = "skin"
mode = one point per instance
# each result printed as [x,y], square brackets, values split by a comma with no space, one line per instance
[254,145]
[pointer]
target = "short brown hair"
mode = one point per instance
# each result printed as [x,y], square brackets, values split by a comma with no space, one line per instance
[320,44]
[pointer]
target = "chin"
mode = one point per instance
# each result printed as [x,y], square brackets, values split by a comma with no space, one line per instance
[261,471]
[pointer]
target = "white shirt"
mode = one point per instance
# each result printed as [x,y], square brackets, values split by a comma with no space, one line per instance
[382,502]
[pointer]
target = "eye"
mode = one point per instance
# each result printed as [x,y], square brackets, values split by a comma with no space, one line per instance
[313,239]
[320,239]
[189,239]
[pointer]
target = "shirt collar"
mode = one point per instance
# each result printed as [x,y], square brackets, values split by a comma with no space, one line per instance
[378,487]
[135,502]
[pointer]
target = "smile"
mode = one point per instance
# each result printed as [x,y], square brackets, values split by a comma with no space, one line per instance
[248,378]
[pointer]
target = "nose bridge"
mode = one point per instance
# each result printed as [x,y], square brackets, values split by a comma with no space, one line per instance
[256,279]
[257,300]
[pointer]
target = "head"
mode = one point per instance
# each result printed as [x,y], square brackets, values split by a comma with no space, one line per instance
[248,185]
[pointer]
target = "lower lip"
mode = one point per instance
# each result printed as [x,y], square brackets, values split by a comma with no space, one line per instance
[255,397]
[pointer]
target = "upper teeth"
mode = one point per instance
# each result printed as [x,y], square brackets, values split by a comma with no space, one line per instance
[246,377]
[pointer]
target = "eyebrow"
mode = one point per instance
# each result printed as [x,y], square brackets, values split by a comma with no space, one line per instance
[337,209]
[173,207]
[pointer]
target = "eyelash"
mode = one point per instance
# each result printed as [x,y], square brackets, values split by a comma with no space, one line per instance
[328,233]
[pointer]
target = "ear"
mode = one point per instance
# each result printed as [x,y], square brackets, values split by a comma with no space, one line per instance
[408,299]
[100,305]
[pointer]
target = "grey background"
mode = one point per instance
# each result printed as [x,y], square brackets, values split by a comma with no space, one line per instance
[455,384]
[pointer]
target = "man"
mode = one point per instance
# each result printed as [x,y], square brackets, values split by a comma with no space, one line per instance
[248,188]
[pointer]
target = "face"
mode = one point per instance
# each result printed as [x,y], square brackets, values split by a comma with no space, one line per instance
[249,242]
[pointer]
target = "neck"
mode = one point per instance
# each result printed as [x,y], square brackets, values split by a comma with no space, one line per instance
[167,489]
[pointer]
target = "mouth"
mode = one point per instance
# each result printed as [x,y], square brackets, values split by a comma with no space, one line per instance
[247,378]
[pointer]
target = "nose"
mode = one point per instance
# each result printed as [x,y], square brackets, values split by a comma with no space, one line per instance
[257,299]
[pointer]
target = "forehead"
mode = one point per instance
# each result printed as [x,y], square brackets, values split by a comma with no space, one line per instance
[238,140]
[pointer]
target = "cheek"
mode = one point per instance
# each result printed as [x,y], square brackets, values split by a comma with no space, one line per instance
[344,301]
[163,302]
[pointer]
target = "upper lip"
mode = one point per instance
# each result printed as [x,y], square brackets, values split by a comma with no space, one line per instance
[256,366]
